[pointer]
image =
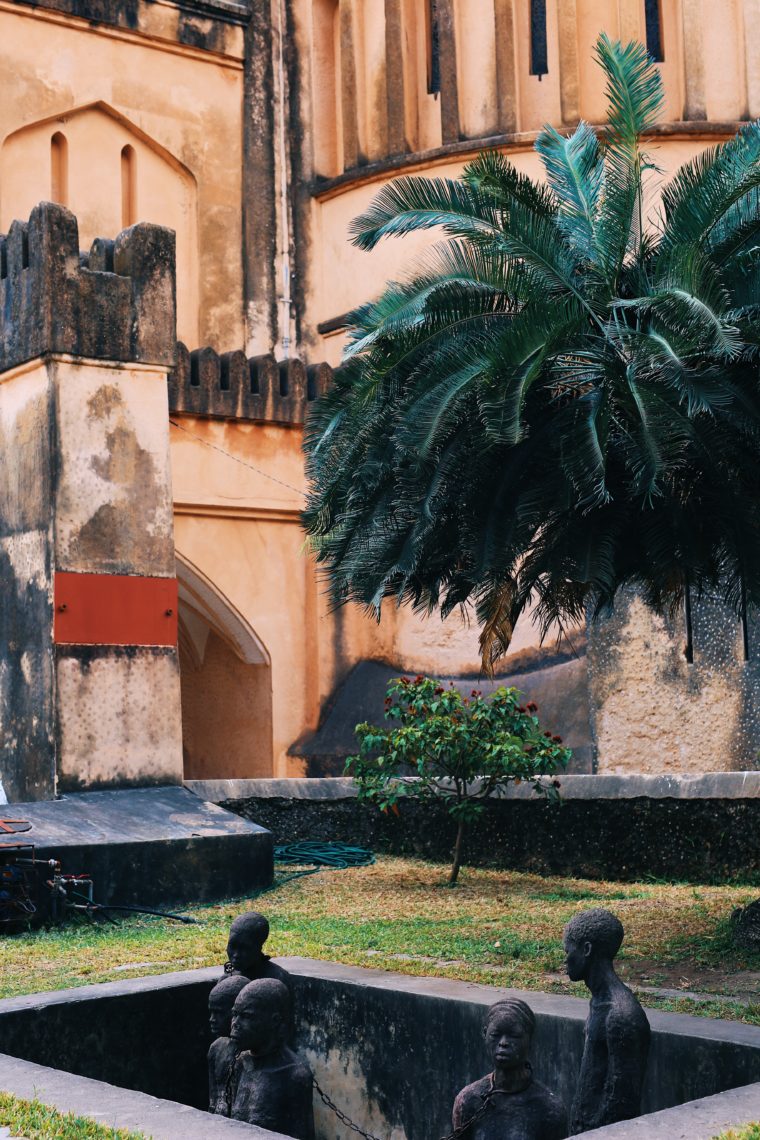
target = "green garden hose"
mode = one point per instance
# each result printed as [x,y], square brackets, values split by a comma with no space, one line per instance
[315,856]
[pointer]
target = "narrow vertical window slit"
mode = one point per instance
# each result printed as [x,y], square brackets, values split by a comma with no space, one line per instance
[539,62]
[128,187]
[433,39]
[653,17]
[59,169]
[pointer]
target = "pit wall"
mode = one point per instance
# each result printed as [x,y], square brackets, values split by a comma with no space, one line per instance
[391,1050]
[700,829]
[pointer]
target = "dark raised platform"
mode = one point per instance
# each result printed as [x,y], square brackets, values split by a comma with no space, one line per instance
[149,846]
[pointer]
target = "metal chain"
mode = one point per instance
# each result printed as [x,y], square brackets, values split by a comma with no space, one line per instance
[463,1129]
[455,1135]
[228,1085]
[341,1115]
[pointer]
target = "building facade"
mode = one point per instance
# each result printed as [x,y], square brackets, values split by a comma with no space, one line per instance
[256,132]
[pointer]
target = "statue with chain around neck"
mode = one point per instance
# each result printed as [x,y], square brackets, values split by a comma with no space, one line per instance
[509,1104]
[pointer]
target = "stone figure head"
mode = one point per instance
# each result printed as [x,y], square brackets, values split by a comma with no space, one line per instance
[260,1017]
[248,933]
[220,1003]
[508,1032]
[590,936]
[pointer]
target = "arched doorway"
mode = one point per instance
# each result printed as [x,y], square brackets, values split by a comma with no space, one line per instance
[226,685]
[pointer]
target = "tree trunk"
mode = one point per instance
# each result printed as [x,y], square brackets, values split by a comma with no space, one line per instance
[457,855]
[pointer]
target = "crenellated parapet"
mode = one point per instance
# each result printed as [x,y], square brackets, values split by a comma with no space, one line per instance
[235,387]
[116,302]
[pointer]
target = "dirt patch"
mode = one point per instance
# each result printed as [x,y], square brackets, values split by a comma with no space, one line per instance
[683,979]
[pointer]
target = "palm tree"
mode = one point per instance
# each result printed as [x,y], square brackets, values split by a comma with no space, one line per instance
[561,399]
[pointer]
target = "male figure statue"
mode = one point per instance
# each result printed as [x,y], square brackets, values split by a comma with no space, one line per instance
[245,953]
[221,1055]
[617,1031]
[270,1086]
[508,1104]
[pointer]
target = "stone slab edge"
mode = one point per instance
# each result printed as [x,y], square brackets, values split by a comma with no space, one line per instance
[131,815]
[547,1005]
[709,786]
[695,1120]
[120,1108]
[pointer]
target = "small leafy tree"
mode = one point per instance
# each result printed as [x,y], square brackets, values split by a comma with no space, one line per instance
[445,746]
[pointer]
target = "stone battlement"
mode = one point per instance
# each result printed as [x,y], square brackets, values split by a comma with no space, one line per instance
[232,386]
[116,302]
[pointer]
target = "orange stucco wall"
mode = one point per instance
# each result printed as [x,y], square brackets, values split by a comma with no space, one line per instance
[180,109]
[153,124]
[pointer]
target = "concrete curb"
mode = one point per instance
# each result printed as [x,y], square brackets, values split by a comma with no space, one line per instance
[710,786]
[121,1108]
[696,1120]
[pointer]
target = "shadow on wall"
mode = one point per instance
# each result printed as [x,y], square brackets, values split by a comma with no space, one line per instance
[559,686]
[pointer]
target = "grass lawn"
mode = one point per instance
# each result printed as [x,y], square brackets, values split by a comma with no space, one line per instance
[35,1121]
[751,1132]
[501,928]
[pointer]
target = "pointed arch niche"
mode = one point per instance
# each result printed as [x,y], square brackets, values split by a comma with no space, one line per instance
[226,685]
[105,169]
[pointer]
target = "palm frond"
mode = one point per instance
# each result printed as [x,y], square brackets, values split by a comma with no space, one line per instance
[634,91]
[411,203]
[704,190]
[575,172]
[556,403]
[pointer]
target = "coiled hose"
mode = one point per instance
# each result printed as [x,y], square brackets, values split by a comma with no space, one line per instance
[313,857]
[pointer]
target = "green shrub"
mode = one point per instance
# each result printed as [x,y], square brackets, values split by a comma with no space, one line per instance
[460,750]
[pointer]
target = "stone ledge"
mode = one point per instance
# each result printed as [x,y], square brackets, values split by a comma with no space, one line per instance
[708,1029]
[695,1120]
[120,1108]
[710,786]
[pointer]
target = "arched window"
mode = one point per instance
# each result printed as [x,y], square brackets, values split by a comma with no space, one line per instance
[128,186]
[59,169]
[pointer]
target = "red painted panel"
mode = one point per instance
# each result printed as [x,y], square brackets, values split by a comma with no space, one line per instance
[114,609]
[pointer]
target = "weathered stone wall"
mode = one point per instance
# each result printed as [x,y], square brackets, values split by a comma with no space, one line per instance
[27,475]
[606,827]
[117,707]
[89,689]
[654,712]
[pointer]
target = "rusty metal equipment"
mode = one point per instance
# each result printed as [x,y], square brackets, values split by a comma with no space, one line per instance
[18,892]
[34,889]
